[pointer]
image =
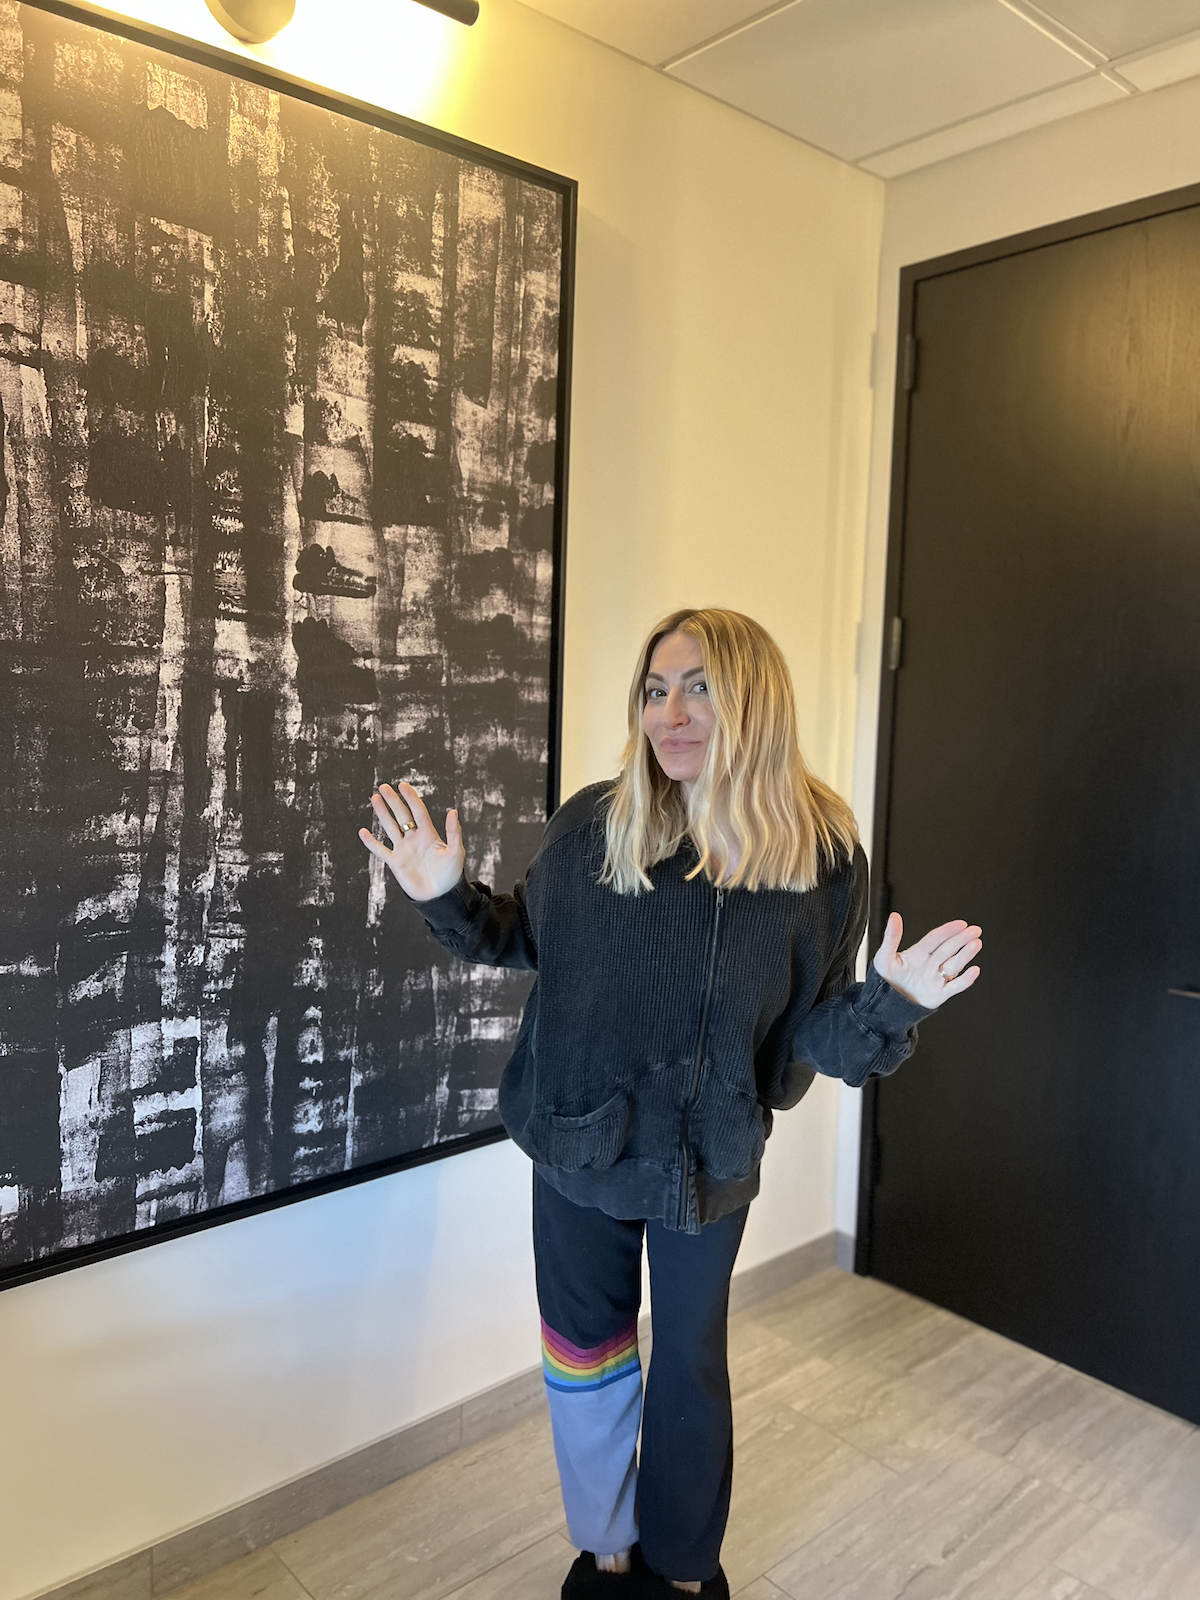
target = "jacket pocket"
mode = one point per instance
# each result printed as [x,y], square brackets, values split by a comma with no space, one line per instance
[729,1131]
[593,1140]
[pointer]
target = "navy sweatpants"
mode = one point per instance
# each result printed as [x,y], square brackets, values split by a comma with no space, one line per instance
[589,1281]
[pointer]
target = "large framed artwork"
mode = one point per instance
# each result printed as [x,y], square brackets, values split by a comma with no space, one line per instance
[283,408]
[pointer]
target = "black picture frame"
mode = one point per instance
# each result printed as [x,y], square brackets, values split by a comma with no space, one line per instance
[238,67]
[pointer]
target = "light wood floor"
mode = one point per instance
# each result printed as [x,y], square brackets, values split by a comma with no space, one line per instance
[884,1449]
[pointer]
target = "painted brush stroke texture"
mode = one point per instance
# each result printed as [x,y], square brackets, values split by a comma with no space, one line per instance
[278,393]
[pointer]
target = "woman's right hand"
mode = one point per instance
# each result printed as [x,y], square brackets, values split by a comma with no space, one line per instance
[420,861]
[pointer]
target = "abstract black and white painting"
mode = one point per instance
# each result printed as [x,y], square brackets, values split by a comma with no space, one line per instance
[282,401]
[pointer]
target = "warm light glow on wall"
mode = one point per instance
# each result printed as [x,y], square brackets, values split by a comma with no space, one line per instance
[390,53]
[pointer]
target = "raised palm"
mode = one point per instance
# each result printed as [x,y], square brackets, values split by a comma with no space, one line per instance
[931,970]
[421,861]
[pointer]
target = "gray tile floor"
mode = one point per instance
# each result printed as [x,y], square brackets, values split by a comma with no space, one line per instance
[885,1449]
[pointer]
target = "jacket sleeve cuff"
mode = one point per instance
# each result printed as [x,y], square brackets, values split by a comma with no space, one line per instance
[447,913]
[885,1010]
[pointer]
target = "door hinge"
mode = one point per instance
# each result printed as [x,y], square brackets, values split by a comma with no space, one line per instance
[895,643]
[909,368]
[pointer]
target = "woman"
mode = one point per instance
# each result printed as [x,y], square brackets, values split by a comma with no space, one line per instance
[694,928]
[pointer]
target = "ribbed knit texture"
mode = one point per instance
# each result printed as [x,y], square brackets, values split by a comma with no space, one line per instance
[612,1089]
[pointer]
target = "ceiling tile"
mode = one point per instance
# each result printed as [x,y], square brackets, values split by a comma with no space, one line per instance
[858,76]
[651,30]
[1157,68]
[1051,106]
[1118,26]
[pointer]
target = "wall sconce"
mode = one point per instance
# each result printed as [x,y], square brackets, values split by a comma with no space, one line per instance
[255,21]
[465,11]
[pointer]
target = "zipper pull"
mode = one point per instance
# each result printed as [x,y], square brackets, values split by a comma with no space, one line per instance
[720,894]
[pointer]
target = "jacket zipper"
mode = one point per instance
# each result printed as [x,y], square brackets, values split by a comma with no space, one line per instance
[698,1068]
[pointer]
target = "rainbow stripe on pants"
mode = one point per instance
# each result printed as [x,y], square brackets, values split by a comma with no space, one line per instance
[577,1371]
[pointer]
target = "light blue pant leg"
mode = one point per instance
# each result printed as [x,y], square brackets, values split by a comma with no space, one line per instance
[596,1411]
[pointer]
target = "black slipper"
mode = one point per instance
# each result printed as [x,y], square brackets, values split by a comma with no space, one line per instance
[585,1581]
[654,1587]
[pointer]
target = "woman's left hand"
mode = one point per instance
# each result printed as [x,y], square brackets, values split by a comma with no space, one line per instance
[931,970]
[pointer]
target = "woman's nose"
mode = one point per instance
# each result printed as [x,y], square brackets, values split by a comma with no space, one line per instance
[676,708]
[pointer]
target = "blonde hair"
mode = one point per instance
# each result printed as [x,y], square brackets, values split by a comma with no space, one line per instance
[786,821]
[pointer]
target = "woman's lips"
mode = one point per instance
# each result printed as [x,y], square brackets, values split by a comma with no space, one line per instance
[674,747]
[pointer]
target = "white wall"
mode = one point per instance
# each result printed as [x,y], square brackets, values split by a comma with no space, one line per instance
[726,297]
[1141,146]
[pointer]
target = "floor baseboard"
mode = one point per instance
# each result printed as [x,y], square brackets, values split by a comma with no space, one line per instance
[172,1562]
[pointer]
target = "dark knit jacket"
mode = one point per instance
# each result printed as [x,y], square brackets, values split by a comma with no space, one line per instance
[666,1027]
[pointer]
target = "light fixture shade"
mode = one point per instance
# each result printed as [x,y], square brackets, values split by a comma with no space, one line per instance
[253,20]
[466,11]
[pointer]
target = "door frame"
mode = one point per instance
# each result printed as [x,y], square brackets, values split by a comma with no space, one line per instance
[907,377]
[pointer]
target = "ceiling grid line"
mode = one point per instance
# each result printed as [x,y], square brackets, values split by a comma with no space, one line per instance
[1037,18]
[893,85]
[964,122]
[725,34]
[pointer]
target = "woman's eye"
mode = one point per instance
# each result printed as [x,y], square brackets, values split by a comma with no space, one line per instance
[701,688]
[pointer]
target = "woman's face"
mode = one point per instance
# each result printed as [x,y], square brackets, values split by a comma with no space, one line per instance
[677,714]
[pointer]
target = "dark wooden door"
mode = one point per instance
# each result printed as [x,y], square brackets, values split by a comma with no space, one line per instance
[1036,1166]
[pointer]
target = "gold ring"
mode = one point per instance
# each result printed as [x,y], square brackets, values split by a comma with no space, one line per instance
[408,827]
